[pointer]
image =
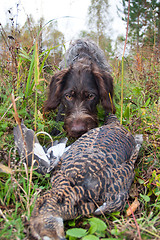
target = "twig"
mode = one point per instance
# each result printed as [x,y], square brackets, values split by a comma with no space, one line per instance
[9,159]
[45,133]
[20,186]
[9,108]
[15,110]
[151,233]
[100,210]
[19,123]
[1,213]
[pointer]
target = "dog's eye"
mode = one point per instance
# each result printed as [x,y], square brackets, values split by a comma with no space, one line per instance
[90,96]
[68,97]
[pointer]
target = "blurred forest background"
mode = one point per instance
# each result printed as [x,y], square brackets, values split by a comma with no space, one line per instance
[29,56]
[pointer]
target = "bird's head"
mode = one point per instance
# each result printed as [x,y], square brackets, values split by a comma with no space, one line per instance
[47,227]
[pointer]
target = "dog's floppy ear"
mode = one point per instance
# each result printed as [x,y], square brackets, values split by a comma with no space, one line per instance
[105,86]
[55,90]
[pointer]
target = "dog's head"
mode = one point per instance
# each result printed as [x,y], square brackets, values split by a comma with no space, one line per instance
[80,88]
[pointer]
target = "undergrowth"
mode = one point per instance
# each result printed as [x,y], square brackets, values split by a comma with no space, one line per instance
[141,114]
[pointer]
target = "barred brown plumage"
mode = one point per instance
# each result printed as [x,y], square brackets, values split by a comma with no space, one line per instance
[97,170]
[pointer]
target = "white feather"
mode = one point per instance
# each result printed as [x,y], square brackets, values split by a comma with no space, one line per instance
[38,151]
[57,150]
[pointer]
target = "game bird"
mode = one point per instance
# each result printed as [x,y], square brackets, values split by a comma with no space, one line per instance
[95,177]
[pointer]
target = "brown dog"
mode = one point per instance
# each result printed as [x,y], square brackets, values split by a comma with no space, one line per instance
[83,81]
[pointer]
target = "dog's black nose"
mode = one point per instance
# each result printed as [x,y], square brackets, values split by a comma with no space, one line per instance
[78,129]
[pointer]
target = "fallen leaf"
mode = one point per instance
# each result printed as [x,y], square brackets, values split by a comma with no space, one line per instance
[132,208]
[5,169]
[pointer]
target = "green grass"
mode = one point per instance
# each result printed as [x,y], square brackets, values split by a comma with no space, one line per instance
[141,114]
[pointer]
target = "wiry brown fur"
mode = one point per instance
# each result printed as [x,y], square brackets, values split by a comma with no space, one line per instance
[79,87]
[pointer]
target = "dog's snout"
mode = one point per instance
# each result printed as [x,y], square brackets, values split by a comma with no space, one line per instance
[78,128]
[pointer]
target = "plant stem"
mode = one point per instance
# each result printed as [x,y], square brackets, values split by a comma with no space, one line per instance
[123,62]
[122,88]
